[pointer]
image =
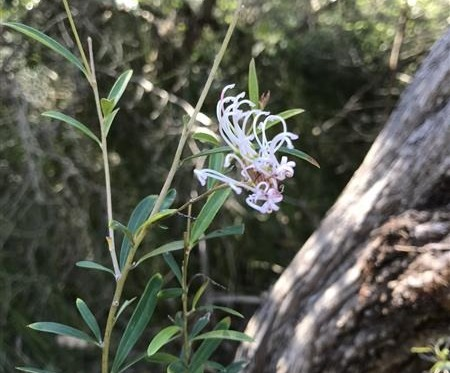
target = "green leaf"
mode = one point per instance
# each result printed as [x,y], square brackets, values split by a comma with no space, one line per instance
[299,154]
[160,215]
[205,135]
[139,215]
[235,367]
[199,325]
[93,265]
[211,307]
[119,87]
[232,230]
[203,153]
[253,87]
[207,348]
[117,226]
[89,319]
[208,212]
[108,120]
[176,367]
[48,42]
[72,122]
[168,201]
[162,358]
[170,293]
[139,320]
[161,339]
[199,293]
[215,162]
[107,106]
[170,260]
[33,370]
[61,329]
[214,366]
[168,247]
[133,361]
[124,306]
[232,335]
[285,115]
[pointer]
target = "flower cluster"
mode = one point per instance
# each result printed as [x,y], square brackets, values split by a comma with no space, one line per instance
[243,128]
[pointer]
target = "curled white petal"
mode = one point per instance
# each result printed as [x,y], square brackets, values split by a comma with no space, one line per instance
[244,129]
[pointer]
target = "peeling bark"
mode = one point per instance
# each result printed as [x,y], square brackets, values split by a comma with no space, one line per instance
[372,281]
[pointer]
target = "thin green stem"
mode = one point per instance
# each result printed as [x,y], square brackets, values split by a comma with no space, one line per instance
[77,40]
[110,238]
[187,128]
[201,196]
[185,294]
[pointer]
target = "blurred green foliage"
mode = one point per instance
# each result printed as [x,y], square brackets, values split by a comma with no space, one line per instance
[329,57]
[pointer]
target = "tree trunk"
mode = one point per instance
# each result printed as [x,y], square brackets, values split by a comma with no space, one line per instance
[372,281]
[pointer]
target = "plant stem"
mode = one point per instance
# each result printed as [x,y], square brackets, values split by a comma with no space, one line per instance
[201,196]
[185,294]
[175,163]
[110,238]
[187,128]
[77,40]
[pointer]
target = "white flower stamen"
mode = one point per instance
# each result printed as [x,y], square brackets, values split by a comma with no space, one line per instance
[243,129]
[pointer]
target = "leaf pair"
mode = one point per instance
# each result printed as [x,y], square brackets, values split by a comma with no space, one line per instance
[68,331]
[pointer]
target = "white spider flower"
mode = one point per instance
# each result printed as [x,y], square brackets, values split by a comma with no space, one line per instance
[243,129]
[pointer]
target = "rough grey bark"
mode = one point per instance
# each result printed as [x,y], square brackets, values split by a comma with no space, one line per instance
[372,281]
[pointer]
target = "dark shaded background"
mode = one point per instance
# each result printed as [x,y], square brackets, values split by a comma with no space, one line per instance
[336,59]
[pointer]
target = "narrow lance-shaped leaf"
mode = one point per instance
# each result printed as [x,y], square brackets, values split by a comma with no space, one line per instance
[235,367]
[61,329]
[108,120]
[48,42]
[199,325]
[118,226]
[253,87]
[208,213]
[232,335]
[170,293]
[72,122]
[203,153]
[232,230]
[161,339]
[159,216]
[93,265]
[199,293]
[176,367]
[207,348]
[228,310]
[171,262]
[138,322]
[124,306]
[168,247]
[299,154]
[89,319]
[205,135]
[119,87]
[215,162]
[285,115]
[139,215]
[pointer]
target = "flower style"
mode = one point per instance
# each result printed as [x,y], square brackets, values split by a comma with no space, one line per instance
[243,128]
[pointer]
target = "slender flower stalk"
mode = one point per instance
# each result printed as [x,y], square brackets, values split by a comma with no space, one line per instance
[244,129]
